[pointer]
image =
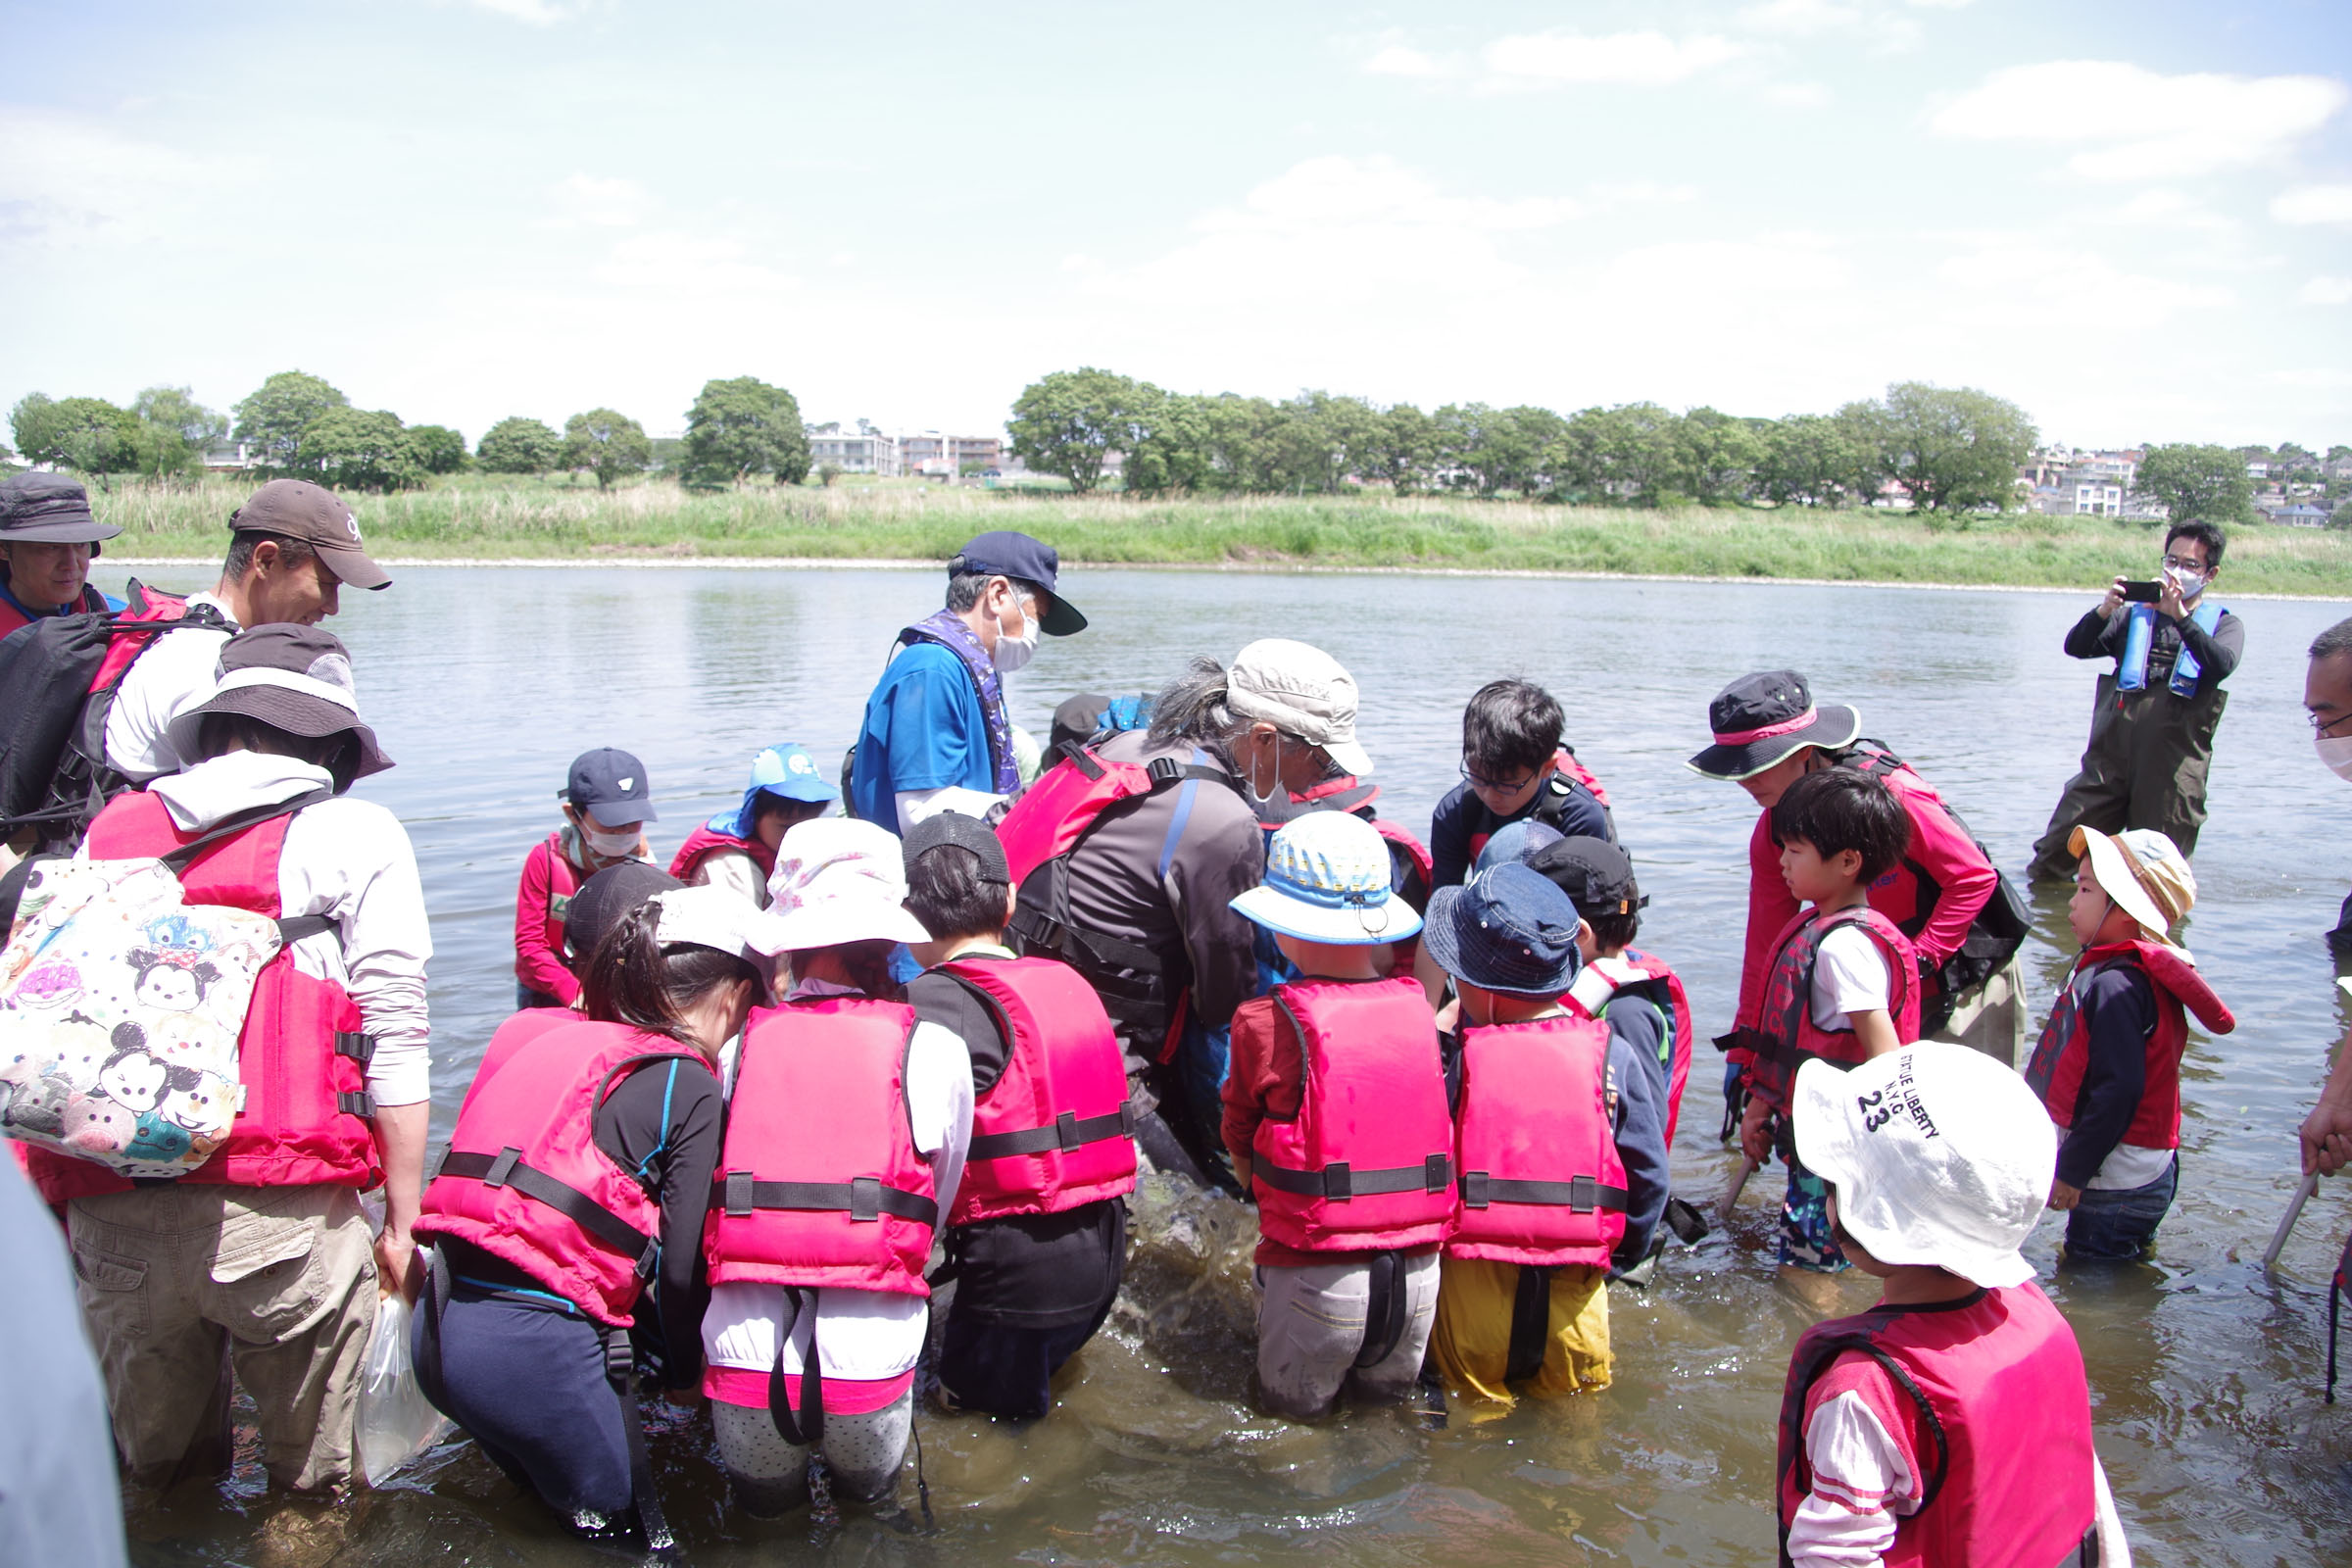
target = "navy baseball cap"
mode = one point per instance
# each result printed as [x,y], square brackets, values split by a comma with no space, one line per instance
[611,787]
[1005,554]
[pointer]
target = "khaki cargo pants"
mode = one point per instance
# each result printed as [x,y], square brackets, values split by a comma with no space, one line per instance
[181,1284]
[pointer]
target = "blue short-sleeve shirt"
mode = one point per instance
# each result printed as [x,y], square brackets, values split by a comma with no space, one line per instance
[923,729]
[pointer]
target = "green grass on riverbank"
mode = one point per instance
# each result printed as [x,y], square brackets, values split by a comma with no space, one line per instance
[482,517]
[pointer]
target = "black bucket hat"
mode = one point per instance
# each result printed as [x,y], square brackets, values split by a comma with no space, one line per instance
[1761,720]
[295,678]
[49,509]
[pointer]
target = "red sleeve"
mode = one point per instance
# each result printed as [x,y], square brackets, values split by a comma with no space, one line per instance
[536,964]
[1263,1077]
[1951,858]
[1770,908]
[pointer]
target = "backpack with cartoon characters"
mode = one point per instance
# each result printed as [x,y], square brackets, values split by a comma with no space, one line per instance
[121,1005]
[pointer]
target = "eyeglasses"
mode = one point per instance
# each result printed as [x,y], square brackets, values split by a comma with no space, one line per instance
[2184,564]
[1479,781]
[2324,727]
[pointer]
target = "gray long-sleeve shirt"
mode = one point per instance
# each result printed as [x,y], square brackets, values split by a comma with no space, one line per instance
[2102,637]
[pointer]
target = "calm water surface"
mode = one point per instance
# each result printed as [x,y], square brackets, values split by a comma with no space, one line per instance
[485,683]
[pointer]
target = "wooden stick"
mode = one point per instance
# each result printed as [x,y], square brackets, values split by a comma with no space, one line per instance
[2294,1211]
[1730,1194]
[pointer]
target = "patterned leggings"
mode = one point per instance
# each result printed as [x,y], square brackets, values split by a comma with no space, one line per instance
[863,1453]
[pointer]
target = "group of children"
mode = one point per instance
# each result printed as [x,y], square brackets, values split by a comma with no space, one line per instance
[1454,1124]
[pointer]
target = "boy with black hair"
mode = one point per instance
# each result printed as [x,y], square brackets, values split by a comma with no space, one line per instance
[1513,767]
[1038,1234]
[1843,982]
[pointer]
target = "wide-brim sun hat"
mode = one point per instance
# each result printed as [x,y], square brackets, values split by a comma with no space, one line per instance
[2143,871]
[1510,931]
[1302,691]
[1940,1157]
[712,916]
[294,678]
[837,880]
[1760,721]
[1515,841]
[1327,880]
[49,509]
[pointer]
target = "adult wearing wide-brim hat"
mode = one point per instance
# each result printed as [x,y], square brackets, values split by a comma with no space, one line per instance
[1768,732]
[936,735]
[335,1067]
[48,538]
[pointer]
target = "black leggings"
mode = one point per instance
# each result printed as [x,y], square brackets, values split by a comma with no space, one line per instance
[527,1383]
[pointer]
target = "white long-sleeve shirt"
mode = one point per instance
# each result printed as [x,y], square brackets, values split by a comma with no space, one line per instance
[172,674]
[350,860]
[869,1335]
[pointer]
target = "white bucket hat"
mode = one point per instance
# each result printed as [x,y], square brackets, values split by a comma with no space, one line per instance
[1327,880]
[2143,871]
[836,880]
[1940,1157]
[712,916]
[1302,691]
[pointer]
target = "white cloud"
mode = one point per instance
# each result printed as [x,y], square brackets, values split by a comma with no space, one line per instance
[538,13]
[2038,280]
[1397,59]
[584,199]
[1801,18]
[2133,124]
[2170,209]
[68,180]
[1627,58]
[2313,204]
[690,266]
[1797,94]
[2327,291]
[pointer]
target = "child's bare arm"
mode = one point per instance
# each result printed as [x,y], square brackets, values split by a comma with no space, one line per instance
[1874,1028]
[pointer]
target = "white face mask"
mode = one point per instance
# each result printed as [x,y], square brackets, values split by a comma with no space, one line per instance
[611,846]
[2191,583]
[2335,754]
[1015,652]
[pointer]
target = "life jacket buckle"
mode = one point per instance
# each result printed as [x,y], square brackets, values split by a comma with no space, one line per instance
[1584,1195]
[1127,1118]
[1474,1189]
[649,1260]
[866,1199]
[355,1102]
[1437,1173]
[739,1193]
[502,1167]
[1065,1131]
[619,1360]
[360,1047]
[1339,1183]
[1164,769]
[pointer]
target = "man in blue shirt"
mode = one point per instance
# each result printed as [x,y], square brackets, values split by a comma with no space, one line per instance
[47,541]
[935,736]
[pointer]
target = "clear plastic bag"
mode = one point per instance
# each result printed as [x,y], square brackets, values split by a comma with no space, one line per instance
[397,1422]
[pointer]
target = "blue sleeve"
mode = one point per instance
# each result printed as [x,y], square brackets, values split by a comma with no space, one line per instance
[1637,1024]
[1640,1148]
[1582,816]
[112,603]
[923,730]
[1450,838]
[2119,1011]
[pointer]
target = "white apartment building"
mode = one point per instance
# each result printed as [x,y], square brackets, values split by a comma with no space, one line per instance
[865,449]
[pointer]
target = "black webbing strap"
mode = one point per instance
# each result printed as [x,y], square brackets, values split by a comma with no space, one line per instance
[1385,1310]
[806,1428]
[1581,1194]
[1339,1180]
[1531,1322]
[506,1169]
[1068,1132]
[863,1198]
[293,930]
[621,1370]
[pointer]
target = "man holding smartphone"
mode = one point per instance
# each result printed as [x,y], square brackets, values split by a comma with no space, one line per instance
[2152,724]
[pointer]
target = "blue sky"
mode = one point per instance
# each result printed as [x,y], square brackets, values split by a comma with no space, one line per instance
[2135,219]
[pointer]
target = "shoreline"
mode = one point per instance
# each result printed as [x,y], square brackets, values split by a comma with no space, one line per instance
[673,563]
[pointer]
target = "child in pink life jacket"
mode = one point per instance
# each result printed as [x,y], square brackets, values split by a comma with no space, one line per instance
[1843,981]
[1335,1119]
[2108,1065]
[607,799]
[737,848]
[1949,1425]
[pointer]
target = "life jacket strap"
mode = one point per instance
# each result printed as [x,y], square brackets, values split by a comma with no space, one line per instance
[1338,1182]
[360,1047]
[1579,1195]
[1068,1132]
[507,1169]
[355,1102]
[865,1198]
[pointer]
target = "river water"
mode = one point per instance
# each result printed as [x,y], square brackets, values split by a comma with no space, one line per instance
[483,684]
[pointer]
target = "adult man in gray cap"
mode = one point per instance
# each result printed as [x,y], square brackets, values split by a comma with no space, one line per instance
[48,539]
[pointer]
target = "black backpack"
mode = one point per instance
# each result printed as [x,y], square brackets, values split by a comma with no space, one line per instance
[58,679]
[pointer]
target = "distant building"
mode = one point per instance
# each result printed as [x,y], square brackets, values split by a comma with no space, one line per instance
[865,449]
[2301,515]
[230,456]
[938,456]
[2098,499]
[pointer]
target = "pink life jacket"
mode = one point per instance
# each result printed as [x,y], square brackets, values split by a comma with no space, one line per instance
[1636,973]
[510,1039]
[706,840]
[2055,1069]
[819,1182]
[1541,1181]
[1790,1035]
[563,881]
[1054,1131]
[1999,1385]
[1366,1163]
[525,1182]
[1565,761]
[302,1056]
[1415,871]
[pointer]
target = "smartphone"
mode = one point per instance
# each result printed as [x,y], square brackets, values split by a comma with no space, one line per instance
[2143,593]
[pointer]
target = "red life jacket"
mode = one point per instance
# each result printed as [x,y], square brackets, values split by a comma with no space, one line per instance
[93,603]
[2055,1069]
[706,840]
[1787,1028]
[510,1039]
[1636,973]
[563,881]
[2000,1388]
[1366,1164]
[525,1182]
[1054,1131]
[819,1182]
[1565,761]
[301,1057]
[1541,1179]
[1414,872]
